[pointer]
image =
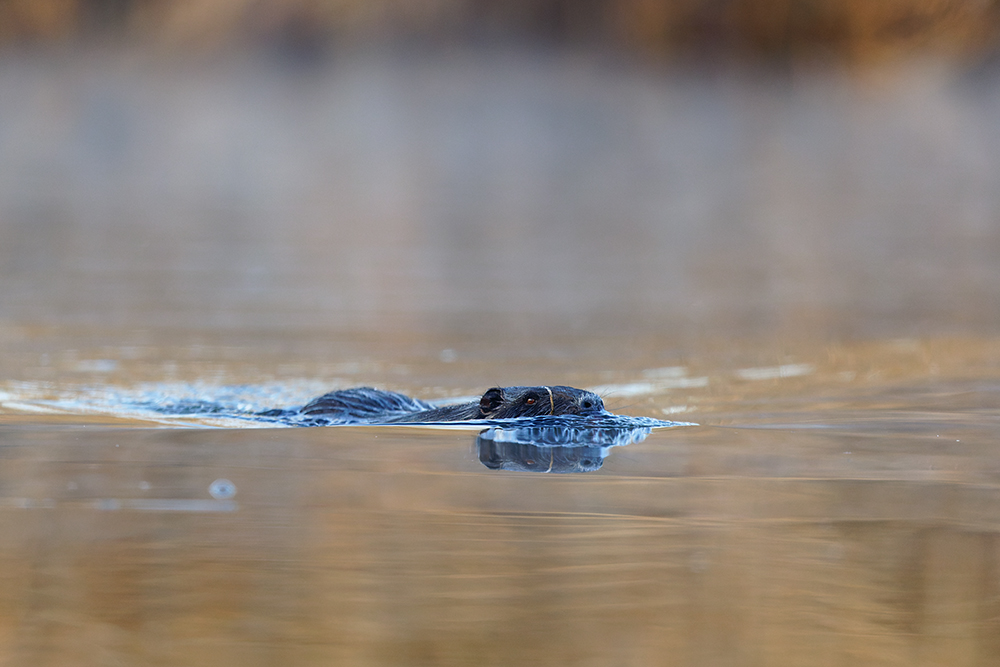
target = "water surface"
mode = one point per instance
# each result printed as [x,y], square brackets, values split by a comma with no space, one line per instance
[803,265]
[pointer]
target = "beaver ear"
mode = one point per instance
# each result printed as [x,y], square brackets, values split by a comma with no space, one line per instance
[491,400]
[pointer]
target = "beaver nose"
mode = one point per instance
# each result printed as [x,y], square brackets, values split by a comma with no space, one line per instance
[591,404]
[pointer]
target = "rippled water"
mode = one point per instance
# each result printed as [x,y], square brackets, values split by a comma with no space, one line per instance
[803,266]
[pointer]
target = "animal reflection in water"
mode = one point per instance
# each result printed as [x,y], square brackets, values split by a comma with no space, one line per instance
[557,444]
[537,429]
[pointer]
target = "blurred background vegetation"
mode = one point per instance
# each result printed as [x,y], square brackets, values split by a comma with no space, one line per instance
[856,31]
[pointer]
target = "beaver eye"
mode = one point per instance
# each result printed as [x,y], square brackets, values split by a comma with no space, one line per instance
[587,404]
[530,399]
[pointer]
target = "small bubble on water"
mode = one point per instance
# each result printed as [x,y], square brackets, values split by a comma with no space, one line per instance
[448,356]
[698,562]
[144,485]
[222,489]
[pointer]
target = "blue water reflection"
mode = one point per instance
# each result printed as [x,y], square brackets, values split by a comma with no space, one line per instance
[560,444]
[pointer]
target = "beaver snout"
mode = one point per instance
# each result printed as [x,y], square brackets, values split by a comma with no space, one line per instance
[590,404]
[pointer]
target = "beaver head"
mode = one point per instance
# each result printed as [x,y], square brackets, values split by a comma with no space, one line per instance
[511,402]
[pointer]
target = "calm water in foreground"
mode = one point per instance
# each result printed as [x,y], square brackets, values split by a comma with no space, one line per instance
[807,269]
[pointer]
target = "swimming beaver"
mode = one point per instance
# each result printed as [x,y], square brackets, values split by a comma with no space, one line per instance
[364,404]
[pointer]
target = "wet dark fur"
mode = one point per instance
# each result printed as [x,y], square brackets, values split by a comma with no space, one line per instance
[376,406]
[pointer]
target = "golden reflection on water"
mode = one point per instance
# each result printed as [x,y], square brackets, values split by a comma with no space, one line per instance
[838,505]
[805,265]
[701,545]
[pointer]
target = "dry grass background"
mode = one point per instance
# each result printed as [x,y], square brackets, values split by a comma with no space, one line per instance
[855,30]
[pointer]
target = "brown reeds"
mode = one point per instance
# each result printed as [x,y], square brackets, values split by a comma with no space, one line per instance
[851,29]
